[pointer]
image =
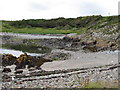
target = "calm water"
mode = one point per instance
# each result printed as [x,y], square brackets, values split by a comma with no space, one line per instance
[32,36]
[16,52]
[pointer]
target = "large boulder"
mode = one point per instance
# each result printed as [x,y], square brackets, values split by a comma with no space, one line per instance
[23,60]
[31,61]
[89,45]
[6,70]
[8,59]
[102,43]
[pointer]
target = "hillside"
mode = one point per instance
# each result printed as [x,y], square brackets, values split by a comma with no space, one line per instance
[107,25]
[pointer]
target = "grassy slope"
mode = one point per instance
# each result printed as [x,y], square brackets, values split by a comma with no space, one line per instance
[93,24]
[40,31]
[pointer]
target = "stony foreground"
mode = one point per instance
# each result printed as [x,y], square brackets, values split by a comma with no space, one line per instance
[78,70]
[103,76]
[100,70]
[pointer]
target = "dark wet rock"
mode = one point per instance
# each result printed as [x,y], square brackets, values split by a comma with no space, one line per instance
[18,71]
[8,59]
[6,70]
[113,67]
[103,70]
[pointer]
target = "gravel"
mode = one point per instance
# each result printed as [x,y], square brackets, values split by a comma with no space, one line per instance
[74,79]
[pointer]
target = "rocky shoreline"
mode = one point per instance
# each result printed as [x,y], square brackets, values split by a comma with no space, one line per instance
[38,77]
[92,42]
[52,70]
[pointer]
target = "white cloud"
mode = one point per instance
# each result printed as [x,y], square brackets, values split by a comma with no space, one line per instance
[36,9]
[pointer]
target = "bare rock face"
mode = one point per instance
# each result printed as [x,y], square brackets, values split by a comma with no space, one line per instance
[8,59]
[102,43]
[6,70]
[98,41]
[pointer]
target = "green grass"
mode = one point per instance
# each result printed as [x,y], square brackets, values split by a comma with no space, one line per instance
[40,30]
[100,85]
[95,85]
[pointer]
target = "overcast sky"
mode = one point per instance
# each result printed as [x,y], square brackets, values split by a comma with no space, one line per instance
[47,9]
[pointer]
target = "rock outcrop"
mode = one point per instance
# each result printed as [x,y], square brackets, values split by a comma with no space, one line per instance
[8,59]
[100,42]
[31,61]
[23,60]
